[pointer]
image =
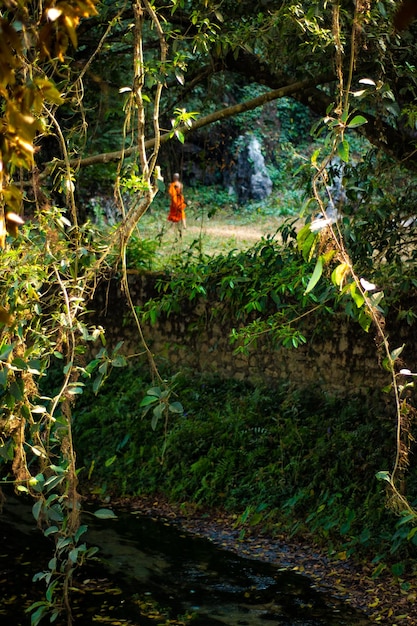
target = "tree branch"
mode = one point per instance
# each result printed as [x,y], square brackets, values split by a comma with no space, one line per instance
[274,94]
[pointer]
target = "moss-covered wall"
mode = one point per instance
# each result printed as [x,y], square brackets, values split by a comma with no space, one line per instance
[339,355]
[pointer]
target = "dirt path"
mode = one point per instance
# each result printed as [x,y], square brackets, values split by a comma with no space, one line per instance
[244,233]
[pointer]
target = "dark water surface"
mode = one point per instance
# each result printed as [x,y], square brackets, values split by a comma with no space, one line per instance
[151,572]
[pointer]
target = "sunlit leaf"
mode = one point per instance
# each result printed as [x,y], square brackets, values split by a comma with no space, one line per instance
[343,150]
[376,298]
[383,475]
[339,274]
[180,136]
[367,285]
[357,297]
[316,275]
[358,120]
[396,353]
[5,351]
[39,408]
[367,81]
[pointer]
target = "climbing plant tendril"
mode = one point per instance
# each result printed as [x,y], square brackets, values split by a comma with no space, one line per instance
[329,244]
[51,266]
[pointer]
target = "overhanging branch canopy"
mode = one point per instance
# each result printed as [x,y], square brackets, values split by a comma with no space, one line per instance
[222,114]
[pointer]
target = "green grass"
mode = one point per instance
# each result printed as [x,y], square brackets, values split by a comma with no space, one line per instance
[215,225]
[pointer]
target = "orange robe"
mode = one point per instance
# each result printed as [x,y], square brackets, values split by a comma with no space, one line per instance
[177,206]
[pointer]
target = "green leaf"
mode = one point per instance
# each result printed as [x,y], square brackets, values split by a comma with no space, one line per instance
[58,469]
[396,353]
[339,274]
[73,555]
[63,542]
[19,363]
[75,391]
[147,400]
[306,242]
[398,569]
[365,320]
[36,509]
[36,617]
[53,481]
[55,513]
[358,120]
[344,116]
[405,519]
[4,371]
[82,529]
[105,514]
[103,368]
[383,475]
[176,407]
[343,150]
[157,414]
[357,297]
[316,275]
[376,298]
[67,368]
[119,361]
[97,383]
[5,351]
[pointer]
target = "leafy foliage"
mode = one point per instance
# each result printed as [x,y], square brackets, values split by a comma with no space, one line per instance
[193,48]
[298,461]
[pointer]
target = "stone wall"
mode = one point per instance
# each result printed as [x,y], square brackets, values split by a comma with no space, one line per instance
[339,356]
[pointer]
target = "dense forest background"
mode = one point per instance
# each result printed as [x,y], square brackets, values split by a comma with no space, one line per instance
[289,108]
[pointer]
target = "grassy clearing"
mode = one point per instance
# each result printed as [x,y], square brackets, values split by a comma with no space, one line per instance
[215,223]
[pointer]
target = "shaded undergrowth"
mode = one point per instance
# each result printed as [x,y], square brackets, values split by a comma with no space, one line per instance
[284,460]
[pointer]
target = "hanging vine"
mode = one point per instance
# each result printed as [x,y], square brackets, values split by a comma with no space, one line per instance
[51,267]
[324,237]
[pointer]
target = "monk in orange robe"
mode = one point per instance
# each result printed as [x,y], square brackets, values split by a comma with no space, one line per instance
[177,206]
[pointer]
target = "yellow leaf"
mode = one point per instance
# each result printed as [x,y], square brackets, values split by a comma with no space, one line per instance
[339,274]
[71,24]
[5,316]
[3,232]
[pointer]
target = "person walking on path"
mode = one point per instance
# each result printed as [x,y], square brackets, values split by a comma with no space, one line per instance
[177,206]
